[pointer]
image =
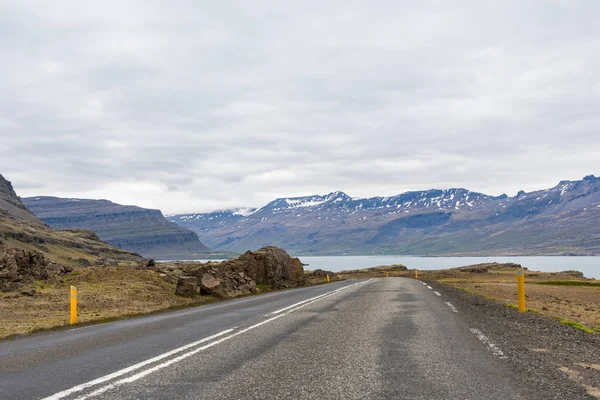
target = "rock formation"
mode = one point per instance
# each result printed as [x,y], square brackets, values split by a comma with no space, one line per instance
[19,267]
[270,266]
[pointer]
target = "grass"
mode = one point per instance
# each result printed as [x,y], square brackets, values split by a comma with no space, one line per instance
[105,293]
[569,283]
[577,325]
[516,307]
[263,287]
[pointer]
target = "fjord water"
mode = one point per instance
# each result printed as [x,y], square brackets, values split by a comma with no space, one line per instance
[590,266]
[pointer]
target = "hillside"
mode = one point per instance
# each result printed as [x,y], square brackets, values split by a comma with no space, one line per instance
[561,220]
[137,229]
[21,229]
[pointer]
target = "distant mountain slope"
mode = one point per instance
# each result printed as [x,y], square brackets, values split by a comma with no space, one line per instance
[561,220]
[133,228]
[11,204]
[19,228]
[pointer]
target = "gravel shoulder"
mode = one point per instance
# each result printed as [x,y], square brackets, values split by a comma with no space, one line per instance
[557,360]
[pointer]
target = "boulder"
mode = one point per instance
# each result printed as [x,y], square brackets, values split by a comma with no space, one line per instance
[212,286]
[269,265]
[186,286]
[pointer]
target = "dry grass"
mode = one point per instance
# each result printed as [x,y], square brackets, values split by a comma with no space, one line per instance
[579,303]
[104,293]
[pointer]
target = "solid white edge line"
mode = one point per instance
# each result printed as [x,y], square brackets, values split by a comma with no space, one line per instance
[158,367]
[131,368]
[490,345]
[140,375]
[300,302]
[317,297]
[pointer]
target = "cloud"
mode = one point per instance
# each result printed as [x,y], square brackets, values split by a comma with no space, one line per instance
[196,106]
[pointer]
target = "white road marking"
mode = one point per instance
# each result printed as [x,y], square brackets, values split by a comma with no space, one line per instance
[317,297]
[429,287]
[490,345]
[158,367]
[134,367]
[183,356]
[437,293]
[451,306]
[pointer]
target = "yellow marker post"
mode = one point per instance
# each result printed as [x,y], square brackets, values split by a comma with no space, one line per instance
[521,284]
[73,305]
[327,278]
[416,274]
[387,274]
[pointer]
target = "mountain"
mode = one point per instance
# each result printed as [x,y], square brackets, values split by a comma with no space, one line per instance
[137,229]
[562,220]
[21,229]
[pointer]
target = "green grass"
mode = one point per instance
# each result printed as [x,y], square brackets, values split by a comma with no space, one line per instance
[569,283]
[516,307]
[264,287]
[577,325]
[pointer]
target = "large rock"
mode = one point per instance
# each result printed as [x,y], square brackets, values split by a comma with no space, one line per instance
[19,266]
[211,285]
[270,265]
[186,286]
[239,276]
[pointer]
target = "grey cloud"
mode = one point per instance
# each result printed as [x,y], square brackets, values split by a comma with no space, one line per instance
[195,106]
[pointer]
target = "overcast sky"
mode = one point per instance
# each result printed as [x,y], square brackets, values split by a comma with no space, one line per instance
[194,106]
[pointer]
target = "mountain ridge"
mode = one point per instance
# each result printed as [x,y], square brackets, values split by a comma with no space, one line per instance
[336,223]
[134,228]
[21,229]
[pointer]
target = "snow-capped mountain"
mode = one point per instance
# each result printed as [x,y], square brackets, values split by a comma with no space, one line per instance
[418,222]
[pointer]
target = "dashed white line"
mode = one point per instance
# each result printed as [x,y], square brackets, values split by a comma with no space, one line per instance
[437,293]
[451,306]
[429,287]
[490,345]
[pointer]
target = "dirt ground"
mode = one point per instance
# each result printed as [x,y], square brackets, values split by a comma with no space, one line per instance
[104,293]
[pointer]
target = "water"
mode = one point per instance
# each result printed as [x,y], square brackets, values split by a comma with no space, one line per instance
[590,266]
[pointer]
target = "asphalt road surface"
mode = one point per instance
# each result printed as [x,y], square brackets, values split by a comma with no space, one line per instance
[383,338]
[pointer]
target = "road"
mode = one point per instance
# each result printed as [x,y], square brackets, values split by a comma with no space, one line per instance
[369,339]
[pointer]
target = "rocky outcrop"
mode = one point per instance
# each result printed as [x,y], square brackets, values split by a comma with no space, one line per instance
[137,229]
[270,266]
[11,204]
[19,267]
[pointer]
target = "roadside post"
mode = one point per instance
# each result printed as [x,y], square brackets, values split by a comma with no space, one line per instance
[387,274]
[521,284]
[73,305]
[416,274]
[327,278]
